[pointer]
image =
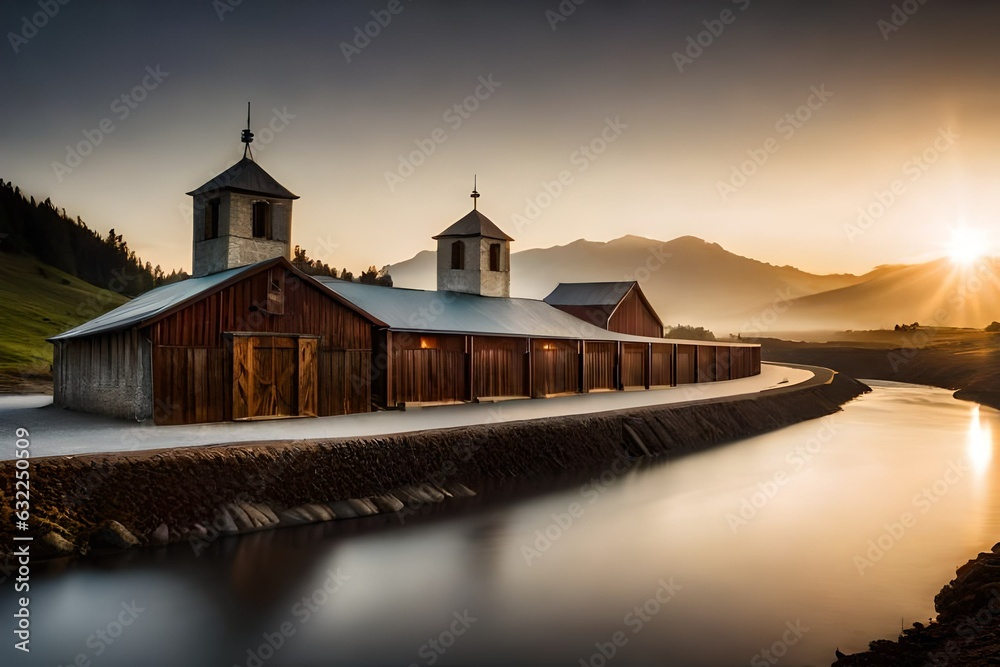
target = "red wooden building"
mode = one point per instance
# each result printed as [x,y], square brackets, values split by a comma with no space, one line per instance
[258,342]
[616,306]
[250,337]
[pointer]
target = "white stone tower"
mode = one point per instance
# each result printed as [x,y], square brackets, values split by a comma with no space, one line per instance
[473,256]
[241,216]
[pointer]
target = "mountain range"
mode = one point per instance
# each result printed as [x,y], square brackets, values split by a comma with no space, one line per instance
[695,282]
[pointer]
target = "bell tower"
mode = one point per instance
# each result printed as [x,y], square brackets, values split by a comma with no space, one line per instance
[242,216]
[473,255]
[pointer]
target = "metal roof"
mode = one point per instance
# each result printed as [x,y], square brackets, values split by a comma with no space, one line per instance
[589,294]
[154,302]
[394,307]
[248,177]
[455,312]
[475,224]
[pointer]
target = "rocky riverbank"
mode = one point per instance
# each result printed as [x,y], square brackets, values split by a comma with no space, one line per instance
[965,634]
[100,502]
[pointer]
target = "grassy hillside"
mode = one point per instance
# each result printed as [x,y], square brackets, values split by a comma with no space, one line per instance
[40,301]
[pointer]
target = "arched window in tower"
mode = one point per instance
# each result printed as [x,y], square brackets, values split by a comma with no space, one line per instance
[212,219]
[494,257]
[262,220]
[458,255]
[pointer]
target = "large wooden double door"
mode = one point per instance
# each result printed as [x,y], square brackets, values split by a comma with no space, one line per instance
[274,376]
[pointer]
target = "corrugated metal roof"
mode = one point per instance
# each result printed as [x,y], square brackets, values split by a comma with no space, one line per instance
[154,302]
[589,294]
[455,312]
[475,224]
[249,177]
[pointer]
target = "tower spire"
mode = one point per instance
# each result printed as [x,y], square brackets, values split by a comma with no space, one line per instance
[247,136]
[475,194]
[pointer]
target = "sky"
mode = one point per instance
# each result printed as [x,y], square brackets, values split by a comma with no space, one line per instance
[832,136]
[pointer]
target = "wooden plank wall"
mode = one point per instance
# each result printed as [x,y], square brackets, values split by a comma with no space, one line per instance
[634,365]
[661,365]
[555,367]
[742,362]
[344,381]
[599,365]
[722,363]
[499,366]
[239,308]
[686,370]
[191,385]
[429,369]
[633,317]
[189,347]
[706,363]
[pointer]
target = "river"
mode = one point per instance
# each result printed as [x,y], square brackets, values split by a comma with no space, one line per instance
[775,549]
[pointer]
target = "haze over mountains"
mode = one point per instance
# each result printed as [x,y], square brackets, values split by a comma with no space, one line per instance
[691,281]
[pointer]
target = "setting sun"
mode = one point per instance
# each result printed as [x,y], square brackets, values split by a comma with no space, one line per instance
[967,245]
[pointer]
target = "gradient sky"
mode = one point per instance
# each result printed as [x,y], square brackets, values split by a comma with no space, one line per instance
[686,131]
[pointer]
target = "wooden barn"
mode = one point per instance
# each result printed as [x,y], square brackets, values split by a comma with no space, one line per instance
[250,337]
[470,341]
[616,306]
[258,342]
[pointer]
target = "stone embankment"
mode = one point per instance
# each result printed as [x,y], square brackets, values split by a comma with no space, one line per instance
[101,502]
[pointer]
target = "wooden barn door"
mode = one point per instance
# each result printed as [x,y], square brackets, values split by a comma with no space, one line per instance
[274,376]
[308,380]
[275,390]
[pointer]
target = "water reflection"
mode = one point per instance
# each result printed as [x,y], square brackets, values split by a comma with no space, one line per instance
[812,500]
[980,442]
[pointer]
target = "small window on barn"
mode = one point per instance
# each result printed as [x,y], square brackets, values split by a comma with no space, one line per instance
[458,255]
[276,292]
[262,220]
[494,257]
[212,219]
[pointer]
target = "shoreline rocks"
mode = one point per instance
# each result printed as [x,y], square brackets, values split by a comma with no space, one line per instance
[966,632]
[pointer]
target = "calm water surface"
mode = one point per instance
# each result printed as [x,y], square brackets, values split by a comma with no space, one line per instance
[822,535]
